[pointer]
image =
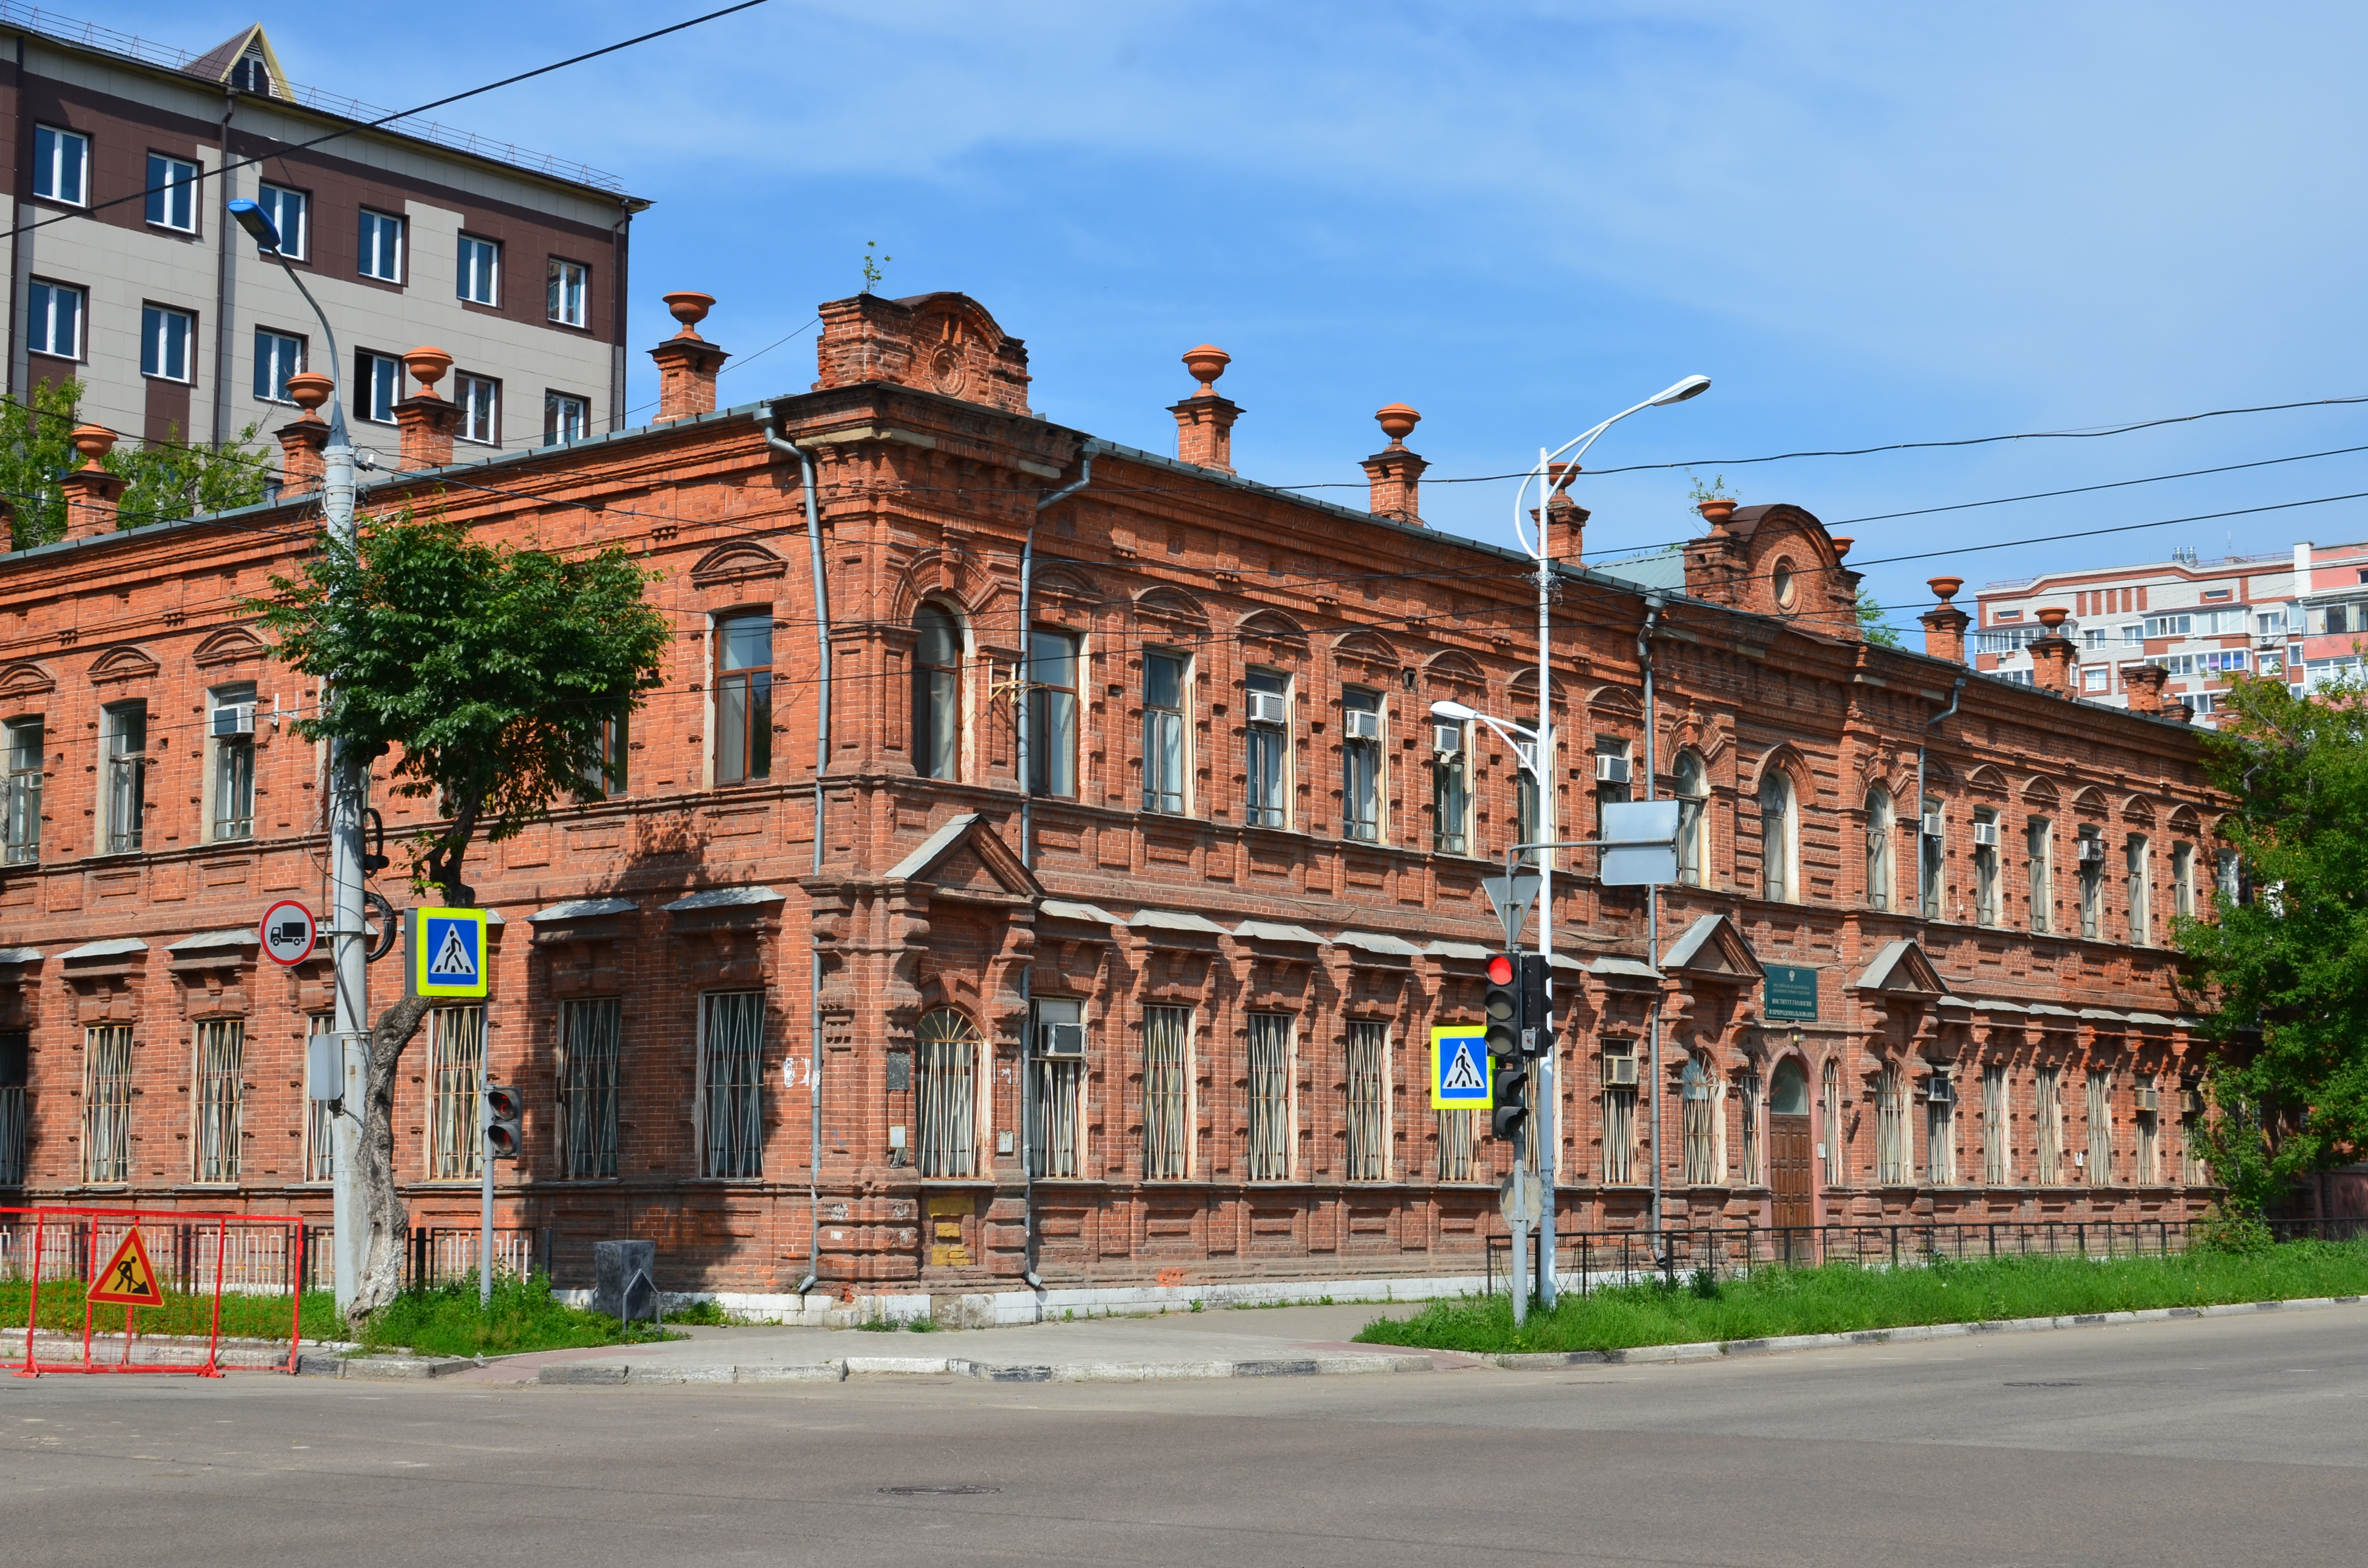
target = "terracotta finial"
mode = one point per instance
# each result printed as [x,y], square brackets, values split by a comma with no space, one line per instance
[1842,543]
[1944,588]
[309,390]
[689,307]
[1207,363]
[427,367]
[94,442]
[2052,617]
[1398,422]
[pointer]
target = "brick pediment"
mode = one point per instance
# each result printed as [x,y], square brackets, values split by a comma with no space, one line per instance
[966,856]
[231,646]
[24,680]
[121,664]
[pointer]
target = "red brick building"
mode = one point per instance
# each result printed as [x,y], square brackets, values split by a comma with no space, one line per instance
[1245,885]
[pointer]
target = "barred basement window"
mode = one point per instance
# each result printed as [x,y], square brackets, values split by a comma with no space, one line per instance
[2049,1093]
[1269,1097]
[1057,1101]
[320,1121]
[1369,1102]
[2101,1128]
[1166,1036]
[220,1048]
[1891,1153]
[1693,1091]
[16,1063]
[1454,1145]
[106,1103]
[456,1078]
[731,1084]
[1997,1148]
[591,1043]
[1831,1093]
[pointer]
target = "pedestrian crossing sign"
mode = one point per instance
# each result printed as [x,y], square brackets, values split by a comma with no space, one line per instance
[1458,1067]
[447,955]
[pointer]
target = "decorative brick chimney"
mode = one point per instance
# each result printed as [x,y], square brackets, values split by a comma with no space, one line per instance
[943,343]
[1204,422]
[302,467]
[1944,624]
[92,492]
[2054,658]
[1566,518]
[2144,685]
[688,363]
[427,419]
[1394,472]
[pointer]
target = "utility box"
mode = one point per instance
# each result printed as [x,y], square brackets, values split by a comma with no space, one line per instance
[625,1278]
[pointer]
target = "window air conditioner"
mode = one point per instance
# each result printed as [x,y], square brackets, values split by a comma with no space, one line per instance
[1940,1091]
[234,719]
[2149,1099]
[2092,848]
[2190,1102]
[1618,1072]
[1936,825]
[1986,835]
[1269,708]
[1361,724]
[1447,740]
[1065,1041]
[1610,767]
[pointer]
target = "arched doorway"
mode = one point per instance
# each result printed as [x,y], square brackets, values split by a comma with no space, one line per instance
[1790,1155]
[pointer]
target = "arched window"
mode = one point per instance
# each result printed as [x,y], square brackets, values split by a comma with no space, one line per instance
[1881,826]
[1777,880]
[945,1093]
[937,694]
[1693,819]
[1788,1089]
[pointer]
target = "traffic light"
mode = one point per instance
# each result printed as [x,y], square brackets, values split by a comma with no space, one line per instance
[1503,1007]
[1509,1081]
[505,1113]
[1537,1032]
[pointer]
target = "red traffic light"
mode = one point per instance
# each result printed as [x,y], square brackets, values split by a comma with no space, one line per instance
[1500,969]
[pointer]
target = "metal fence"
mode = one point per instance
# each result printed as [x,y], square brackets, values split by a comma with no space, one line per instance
[1590,1258]
[437,1254]
[244,1255]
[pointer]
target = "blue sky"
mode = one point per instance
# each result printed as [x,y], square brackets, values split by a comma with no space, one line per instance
[1868,223]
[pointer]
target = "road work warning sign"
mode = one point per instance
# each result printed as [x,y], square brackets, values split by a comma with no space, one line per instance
[1458,1067]
[129,1279]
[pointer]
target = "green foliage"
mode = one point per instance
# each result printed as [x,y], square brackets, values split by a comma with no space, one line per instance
[2235,1233]
[1871,624]
[243,1316]
[1698,493]
[873,265]
[1841,1298]
[490,668]
[2284,976]
[164,481]
[703,1315]
[446,1320]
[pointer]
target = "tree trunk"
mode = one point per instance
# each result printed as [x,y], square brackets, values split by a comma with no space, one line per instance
[381,1278]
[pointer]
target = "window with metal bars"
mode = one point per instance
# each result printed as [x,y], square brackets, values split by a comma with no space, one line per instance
[1269,1097]
[2149,1146]
[1891,1153]
[456,1079]
[1748,1092]
[1998,1145]
[1940,1133]
[731,1084]
[2048,1095]
[1166,1045]
[1619,1111]
[320,1121]
[1369,1102]
[1056,1098]
[106,1103]
[1454,1145]
[2101,1128]
[16,1068]
[1697,1120]
[945,1065]
[591,1044]
[221,1046]
[1829,1092]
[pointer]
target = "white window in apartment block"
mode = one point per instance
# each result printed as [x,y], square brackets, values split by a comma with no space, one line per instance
[220,1048]
[290,213]
[2096,677]
[277,355]
[16,1068]
[172,193]
[591,1048]
[54,318]
[945,1100]
[1056,1102]
[61,166]
[230,778]
[2048,1154]
[1619,1110]
[1269,1097]
[320,1121]
[1997,1136]
[1368,1126]
[124,759]
[23,744]
[380,377]
[381,252]
[479,398]
[1939,1131]
[106,1103]
[566,417]
[2101,1128]
[168,340]
[731,1089]
[478,274]
[1165,757]
[1265,747]
[456,1080]
[567,298]
[1891,1151]
[1362,725]
[1167,1100]
[1052,713]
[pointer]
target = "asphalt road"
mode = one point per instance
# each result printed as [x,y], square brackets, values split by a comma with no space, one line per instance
[2219,1441]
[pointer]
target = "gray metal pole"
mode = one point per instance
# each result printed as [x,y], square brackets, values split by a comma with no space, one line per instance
[1547,1096]
[1652,915]
[485,1196]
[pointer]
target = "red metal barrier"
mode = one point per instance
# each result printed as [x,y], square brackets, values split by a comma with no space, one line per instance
[184,1252]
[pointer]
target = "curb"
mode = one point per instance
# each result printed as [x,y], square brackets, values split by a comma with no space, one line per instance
[382,1368]
[1712,1350]
[613,1373]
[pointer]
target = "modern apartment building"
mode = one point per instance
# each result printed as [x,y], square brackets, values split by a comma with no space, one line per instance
[125,276]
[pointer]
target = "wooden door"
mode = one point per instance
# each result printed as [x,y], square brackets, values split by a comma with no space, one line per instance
[1789,1167]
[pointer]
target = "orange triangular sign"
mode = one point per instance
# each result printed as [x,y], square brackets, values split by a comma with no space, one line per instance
[129,1279]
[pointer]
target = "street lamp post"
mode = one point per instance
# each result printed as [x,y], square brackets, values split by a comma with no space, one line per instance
[1549,1134]
[351,1240]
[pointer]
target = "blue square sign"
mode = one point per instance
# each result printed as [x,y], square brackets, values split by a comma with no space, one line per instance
[1458,1067]
[448,952]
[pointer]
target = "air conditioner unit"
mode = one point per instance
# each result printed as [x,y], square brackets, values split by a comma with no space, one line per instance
[1986,835]
[1610,767]
[1361,724]
[2148,1097]
[1064,1041]
[1618,1072]
[1940,1091]
[1936,825]
[1269,708]
[2190,1102]
[2092,848]
[234,719]
[1447,740]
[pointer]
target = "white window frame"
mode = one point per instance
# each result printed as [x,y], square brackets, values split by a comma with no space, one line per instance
[108,1069]
[1356,827]
[288,208]
[456,1084]
[373,373]
[1174,723]
[1259,737]
[1053,712]
[1882,842]
[377,233]
[477,271]
[57,168]
[172,193]
[1270,1099]
[1177,1163]
[320,1120]
[1451,795]
[24,753]
[557,407]
[41,306]
[220,761]
[479,398]
[157,344]
[1780,882]
[567,294]
[1691,785]
[124,779]
[1365,1123]
[1057,1095]
[2137,860]
[271,347]
[218,1052]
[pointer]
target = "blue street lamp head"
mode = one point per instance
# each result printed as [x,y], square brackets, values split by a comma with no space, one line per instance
[258,227]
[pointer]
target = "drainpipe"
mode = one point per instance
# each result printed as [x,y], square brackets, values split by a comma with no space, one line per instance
[223,263]
[1028,859]
[1652,913]
[770,426]
[1934,723]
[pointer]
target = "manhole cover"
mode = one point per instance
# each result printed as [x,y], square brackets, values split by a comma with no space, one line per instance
[938,1491]
[2045,1385]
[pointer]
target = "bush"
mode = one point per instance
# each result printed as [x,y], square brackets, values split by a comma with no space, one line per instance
[2233,1232]
[446,1320]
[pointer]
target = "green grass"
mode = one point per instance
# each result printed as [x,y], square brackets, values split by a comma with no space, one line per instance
[1841,1298]
[446,1320]
[243,1316]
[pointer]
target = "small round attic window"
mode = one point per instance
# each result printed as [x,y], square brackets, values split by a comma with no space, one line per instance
[1780,579]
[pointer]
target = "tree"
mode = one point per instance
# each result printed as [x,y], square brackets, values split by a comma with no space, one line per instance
[2285,970]
[1871,624]
[164,480]
[488,672]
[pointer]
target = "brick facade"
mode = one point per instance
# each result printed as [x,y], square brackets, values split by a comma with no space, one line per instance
[926,923]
